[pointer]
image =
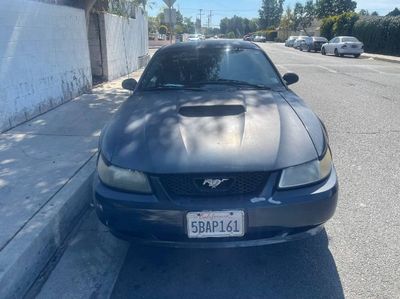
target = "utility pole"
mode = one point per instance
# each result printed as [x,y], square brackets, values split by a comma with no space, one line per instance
[201,13]
[209,20]
[170,25]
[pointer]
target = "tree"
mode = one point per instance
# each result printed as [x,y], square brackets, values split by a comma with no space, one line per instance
[231,35]
[163,29]
[304,15]
[270,13]
[394,13]
[287,22]
[188,25]
[363,13]
[339,25]
[374,14]
[328,8]
[154,24]
[253,25]
[143,3]
[238,25]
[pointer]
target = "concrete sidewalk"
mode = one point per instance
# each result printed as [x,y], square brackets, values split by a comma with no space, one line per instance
[45,173]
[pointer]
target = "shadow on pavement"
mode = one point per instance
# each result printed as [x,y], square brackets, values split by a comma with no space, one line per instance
[302,269]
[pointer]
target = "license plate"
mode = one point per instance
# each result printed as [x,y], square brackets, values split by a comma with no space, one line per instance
[215,224]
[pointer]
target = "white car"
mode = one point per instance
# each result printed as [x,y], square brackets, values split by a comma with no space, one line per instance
[343,45]
[260,39]
[195,37]
[300,39]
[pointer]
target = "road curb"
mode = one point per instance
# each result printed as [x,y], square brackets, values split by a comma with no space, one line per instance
[387,59]
[23,259]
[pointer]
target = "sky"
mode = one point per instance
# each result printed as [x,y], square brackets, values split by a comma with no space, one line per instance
[249,8]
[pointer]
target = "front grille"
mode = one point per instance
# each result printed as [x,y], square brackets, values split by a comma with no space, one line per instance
[223,184]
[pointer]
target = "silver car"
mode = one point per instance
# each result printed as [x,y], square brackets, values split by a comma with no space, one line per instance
[343,45]
[313,44]
[300,40]
[260,39]
[290,41]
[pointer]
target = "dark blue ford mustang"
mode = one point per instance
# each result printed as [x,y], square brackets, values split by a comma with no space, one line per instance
[213,150]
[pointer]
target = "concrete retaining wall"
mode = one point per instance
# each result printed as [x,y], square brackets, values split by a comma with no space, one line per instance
[44,58]
[126,46]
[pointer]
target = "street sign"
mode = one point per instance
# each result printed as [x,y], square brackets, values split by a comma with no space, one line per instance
[169,2]
[170,16]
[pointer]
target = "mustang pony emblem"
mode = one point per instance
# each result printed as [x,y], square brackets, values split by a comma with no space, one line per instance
[214,183]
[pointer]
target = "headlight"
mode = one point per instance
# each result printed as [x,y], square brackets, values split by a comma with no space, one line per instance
[121,178]
[307,173]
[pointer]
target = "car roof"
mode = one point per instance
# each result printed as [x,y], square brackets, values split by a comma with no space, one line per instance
[210,44]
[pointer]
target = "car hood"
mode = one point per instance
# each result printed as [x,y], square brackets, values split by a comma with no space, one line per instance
[185,131]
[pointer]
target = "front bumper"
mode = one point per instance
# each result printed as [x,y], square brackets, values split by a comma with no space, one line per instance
[279,216]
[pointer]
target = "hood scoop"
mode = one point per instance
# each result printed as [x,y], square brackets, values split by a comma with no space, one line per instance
[211,110]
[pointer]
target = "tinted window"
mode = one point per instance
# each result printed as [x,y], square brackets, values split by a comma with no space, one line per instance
[196,66]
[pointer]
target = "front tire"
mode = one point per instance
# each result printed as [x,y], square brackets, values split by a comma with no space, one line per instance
[323,52]
[357,55]
[336,53]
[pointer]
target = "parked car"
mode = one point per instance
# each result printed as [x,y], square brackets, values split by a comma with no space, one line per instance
[313,44]
[343,45]
[195,37]
[260,39]
[248,37]
[208,153]
[152,36]
[298,41]
[290,41]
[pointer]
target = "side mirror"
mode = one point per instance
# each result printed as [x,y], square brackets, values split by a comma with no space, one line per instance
[290,78]
[129,84]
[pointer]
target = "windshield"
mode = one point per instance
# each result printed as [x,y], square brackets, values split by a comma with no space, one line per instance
[210,66]
[349,39]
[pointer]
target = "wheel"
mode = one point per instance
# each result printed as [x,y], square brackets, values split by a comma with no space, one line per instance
[341,55]
[336,53]
[323,52]
[356,55]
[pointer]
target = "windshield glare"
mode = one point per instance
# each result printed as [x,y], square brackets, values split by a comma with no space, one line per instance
[202,66]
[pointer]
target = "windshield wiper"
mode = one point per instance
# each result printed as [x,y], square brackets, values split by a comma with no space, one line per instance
[173,87]
[235,83]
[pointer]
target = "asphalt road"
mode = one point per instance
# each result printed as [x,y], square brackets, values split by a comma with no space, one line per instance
[359,254]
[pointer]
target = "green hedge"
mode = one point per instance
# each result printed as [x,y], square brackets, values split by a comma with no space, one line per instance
[379,34]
